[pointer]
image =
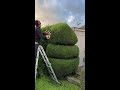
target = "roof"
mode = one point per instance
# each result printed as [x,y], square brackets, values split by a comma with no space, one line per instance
[83,27]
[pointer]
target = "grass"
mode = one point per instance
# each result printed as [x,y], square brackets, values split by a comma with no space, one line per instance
[45,83]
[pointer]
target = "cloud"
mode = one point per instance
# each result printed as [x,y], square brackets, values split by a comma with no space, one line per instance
[70,19]
[55,11]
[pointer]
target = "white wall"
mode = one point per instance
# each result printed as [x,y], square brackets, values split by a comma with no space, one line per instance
[81,45]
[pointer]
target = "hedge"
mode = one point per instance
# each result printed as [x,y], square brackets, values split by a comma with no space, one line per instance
[62,51]
[64,55]
[63,67]
[61,33]
[46,28]
[45,41]
[42,69]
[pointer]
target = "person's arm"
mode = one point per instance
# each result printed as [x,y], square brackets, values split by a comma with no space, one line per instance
[42,34]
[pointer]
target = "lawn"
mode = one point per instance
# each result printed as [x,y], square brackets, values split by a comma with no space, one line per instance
[45,83]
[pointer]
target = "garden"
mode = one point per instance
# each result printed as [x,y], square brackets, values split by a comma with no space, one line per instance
[63,55]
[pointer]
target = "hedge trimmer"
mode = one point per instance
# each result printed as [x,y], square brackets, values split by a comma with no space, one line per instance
[47,34]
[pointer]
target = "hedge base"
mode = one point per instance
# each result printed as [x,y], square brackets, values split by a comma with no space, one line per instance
[63,67]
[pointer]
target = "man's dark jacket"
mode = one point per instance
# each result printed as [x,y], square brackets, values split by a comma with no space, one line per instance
[38,34]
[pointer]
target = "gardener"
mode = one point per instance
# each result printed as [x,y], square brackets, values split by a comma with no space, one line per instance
[39,35]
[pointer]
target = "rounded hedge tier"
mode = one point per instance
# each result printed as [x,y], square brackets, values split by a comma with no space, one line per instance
[63,67]
[61,33]
[62,52]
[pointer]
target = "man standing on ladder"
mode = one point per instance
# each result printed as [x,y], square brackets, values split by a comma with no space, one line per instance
[38,48]
[38,35]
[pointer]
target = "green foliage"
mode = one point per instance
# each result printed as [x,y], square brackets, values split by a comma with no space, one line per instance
[42,69]
[45,41]
[61,33]
[62,52]
[46,28]
[63,55]
[63,67]
[45,83]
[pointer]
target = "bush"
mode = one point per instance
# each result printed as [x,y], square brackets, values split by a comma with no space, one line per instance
[64,38]
[45,41]
[45,28]
[42,69]
[61,33]
[62,52]
[63,67]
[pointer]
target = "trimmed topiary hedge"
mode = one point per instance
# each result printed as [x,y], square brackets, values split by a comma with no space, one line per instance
[45,28]
[63,67]
[62,52]
[44,43]
[61,33]
[42,69]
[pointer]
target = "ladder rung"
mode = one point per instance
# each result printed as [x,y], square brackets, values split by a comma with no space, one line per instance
[50,72]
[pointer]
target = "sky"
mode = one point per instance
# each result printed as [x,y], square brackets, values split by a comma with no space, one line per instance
[55,11]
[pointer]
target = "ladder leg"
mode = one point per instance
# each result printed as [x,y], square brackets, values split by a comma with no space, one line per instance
[48,64]
[36,63]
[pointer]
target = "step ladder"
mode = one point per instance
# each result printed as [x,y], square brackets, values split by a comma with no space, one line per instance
[48,64]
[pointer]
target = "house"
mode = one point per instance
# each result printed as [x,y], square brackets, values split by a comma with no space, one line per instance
[80,32]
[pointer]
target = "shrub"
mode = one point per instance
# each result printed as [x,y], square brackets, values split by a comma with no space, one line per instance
[45,28]
[62,52]
[45,41]
[42,69]
[60,49]
[63,67]
[61,33]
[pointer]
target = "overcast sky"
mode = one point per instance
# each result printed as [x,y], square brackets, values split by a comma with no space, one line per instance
[55,11]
